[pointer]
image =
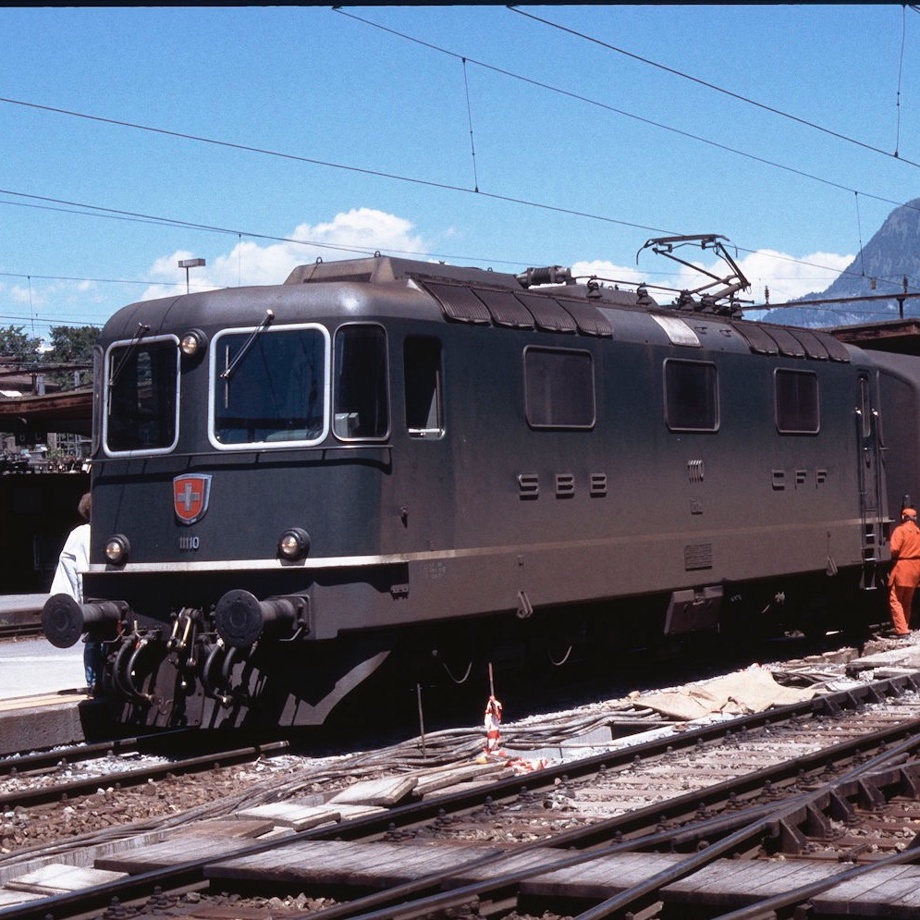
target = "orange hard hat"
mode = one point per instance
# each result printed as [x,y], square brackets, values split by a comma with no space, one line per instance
[908,512]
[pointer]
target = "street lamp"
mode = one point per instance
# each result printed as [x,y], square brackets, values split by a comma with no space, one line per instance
[187,264]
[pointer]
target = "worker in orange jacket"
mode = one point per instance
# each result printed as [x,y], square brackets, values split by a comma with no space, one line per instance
[905,573]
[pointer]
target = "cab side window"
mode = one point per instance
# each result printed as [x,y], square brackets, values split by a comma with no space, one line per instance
[360,390]
[422,378]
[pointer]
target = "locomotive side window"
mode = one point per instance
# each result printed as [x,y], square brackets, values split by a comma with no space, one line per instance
[360,390]
[422,372]
[691,396]
[142,383]
[559,388]
[797,409]
[268,386]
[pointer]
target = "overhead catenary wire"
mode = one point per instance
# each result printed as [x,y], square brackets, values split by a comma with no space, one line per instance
[469,115]
[122,214]
[579,97]
[466,59]
[604,106]
[897,136]
[859,234]
[445,186]
[715,88]
[117,214]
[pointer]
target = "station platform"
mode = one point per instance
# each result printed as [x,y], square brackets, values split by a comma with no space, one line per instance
[20,605]
[41,687]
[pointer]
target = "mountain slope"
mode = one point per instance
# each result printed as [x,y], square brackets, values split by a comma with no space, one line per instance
[892,255]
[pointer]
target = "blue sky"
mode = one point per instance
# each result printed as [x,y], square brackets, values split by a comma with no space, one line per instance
[283,134]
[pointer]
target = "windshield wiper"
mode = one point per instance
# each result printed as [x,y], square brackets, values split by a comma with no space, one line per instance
[142,330]
[231,367]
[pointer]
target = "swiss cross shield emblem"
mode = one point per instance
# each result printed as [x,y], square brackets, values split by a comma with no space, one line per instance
[190,497]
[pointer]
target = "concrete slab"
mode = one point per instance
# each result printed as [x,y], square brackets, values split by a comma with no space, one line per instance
[904,658]
[39,727]
[22,603]
[33,666]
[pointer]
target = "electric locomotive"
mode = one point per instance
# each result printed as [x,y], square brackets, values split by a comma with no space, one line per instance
[386,463]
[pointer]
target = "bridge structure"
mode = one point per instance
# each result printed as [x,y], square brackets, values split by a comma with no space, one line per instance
[69,412]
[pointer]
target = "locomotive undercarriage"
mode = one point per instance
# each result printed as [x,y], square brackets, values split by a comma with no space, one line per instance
[191,677]
[250,663]
[243,663]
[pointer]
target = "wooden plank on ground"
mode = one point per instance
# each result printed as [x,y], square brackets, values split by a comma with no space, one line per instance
[730,882]
[292,814]
[777,876]
[599,878]
[356,811]
[227,827]
[886,891]
[178,849]
[384,792]
[58,878]
[341,862]
[10,898]
[442,779]
[505,863]
[206,911]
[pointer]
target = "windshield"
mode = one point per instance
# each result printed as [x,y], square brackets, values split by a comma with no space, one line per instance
[269,385]
[142,384]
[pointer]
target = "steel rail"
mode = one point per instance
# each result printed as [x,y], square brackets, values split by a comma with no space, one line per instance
[89,785]
[730,843]
[46,760]
[765,817]
[193,871]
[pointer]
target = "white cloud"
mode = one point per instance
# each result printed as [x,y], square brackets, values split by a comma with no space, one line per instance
[362,231]
[26,296]
[789,277]
[609,272]
[352,234]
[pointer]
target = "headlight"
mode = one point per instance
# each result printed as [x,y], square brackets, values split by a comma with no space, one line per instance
[117,549]
[192,343]
[294,544]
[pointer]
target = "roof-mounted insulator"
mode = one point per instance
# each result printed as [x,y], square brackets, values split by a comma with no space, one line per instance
[550,274]
[642,297]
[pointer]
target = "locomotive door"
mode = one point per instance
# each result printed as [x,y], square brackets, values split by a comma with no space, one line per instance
[869,473]
[425,491]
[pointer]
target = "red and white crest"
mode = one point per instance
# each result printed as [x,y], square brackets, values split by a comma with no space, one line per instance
[190,496]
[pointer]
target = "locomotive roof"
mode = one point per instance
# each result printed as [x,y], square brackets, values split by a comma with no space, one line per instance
[383,269]
[544,299]
[476,295]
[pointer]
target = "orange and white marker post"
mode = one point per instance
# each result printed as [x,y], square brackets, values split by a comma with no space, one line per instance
[493,719]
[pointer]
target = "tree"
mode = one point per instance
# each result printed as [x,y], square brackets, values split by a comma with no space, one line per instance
[72,345]
[17,346]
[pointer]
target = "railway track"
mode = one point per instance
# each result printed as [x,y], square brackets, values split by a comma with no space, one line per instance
[93,772]
[21,627]
[820,782]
